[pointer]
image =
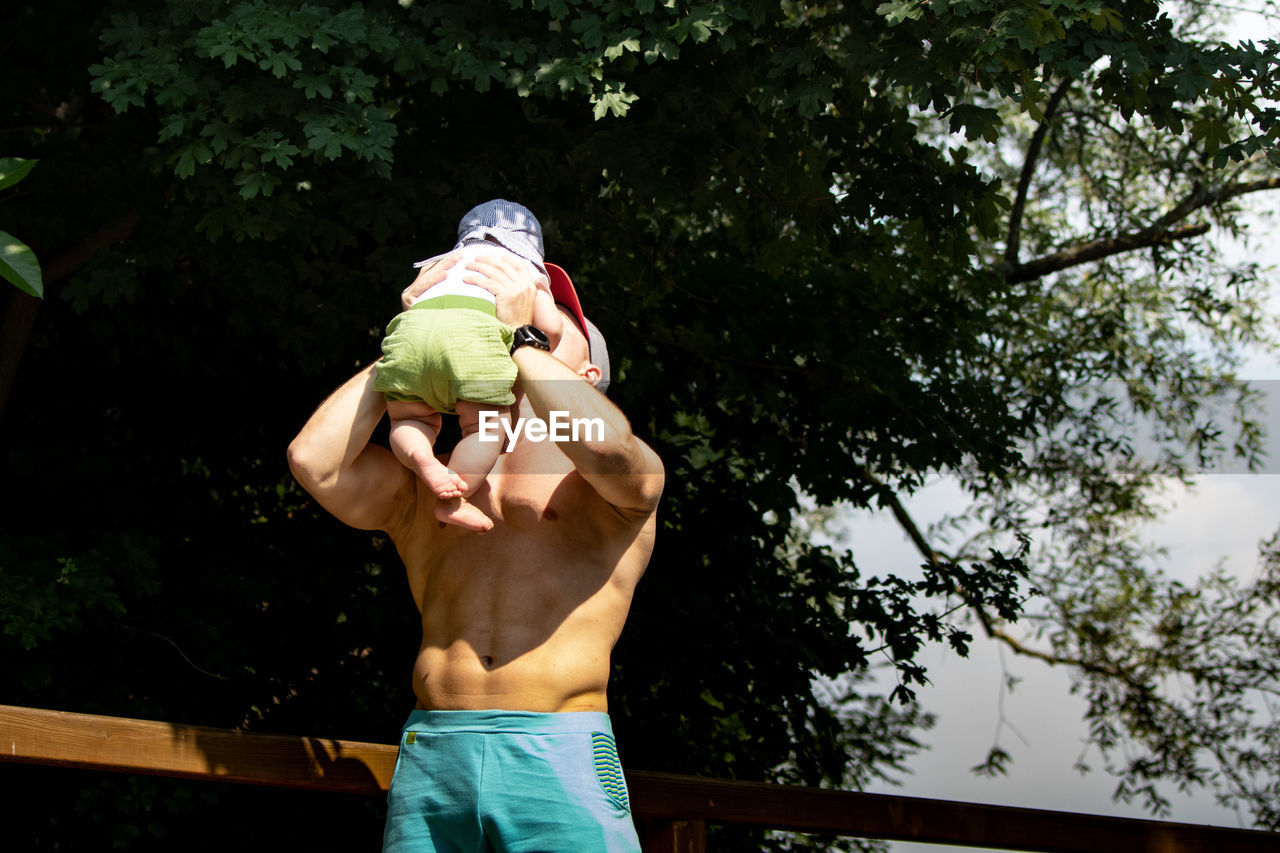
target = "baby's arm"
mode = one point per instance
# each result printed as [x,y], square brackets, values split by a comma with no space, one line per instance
[546,316]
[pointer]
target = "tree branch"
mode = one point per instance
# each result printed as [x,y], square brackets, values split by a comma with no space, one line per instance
[177,649]
[1158,234]
[1013,243]
[890,499]
[1099,249]
[69,261]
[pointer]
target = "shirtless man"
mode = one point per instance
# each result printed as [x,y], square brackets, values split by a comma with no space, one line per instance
[510,746]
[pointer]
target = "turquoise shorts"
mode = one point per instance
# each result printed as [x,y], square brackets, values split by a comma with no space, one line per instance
[508,781]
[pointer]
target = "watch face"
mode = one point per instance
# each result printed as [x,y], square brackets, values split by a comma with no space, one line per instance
[531,336]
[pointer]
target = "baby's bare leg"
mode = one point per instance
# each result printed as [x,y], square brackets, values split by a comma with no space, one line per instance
[414,429]
[478,449]
[472,458]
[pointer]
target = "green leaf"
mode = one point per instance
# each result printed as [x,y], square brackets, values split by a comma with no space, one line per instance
[255,183]
[976,122]
[14,169]
[615,102]
[589,29]
[996,764]
[190,156]
[280,64]
[18,264]
[627,45]
[314,84]
[902,10]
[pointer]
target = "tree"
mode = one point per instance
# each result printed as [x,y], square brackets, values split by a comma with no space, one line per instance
[1135,338]
[807,288]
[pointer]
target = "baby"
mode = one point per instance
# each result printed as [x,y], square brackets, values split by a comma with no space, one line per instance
[450,354]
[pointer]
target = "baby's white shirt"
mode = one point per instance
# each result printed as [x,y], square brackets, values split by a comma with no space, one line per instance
[453,285]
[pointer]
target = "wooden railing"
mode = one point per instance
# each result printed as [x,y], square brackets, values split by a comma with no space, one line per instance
[672,811]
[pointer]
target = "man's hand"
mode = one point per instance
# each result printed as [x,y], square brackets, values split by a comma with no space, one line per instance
[428,276]
[512,283]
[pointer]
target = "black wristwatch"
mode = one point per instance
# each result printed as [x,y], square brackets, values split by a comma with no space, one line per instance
[530,336]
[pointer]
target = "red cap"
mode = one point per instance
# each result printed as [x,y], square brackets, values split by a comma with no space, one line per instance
[597,349]
[562,291]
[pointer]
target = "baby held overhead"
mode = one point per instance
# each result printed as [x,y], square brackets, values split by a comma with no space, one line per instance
[560,427]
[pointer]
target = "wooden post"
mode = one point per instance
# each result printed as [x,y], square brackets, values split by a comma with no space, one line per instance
[673,836]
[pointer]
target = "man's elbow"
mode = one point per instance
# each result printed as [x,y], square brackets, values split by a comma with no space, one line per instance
[306,466]
[642,479]
[638,498]
[649,490]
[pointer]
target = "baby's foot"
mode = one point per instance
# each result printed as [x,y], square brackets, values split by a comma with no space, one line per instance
[442,480]
[458,511]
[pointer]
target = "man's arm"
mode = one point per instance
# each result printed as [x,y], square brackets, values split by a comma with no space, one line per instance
[361,484]
[619,466]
